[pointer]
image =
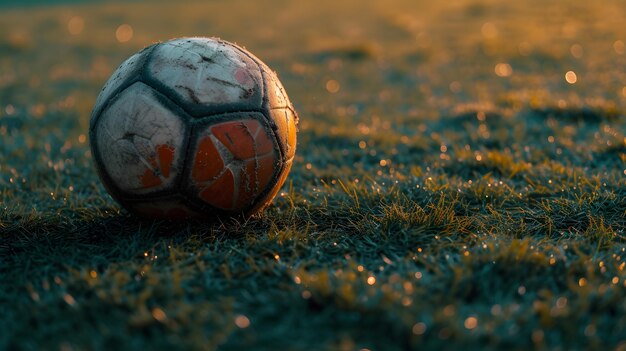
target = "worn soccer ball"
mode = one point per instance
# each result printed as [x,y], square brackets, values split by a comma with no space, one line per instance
[193,127]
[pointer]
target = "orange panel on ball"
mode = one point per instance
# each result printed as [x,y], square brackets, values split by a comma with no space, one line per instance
[241,138]
[151,177]
[166,157]
[266,170]
[264,144]
[237,138]
[270,196]
[285,121]
[220,193]
[208,162]
[247,184]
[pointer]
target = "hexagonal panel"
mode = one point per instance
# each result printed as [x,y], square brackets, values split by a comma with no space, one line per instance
[203,71]
[140,142]
[233,161]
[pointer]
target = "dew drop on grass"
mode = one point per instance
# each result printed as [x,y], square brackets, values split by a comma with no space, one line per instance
[470,322]
[159,314]
[242,321]
[419,328]
[69,299]
[537,336]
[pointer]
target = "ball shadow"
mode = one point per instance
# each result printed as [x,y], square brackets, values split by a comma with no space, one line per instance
[100,241]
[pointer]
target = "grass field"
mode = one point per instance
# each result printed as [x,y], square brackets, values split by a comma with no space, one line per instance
[454,186]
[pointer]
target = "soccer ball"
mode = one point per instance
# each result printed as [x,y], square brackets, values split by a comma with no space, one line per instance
[193,127]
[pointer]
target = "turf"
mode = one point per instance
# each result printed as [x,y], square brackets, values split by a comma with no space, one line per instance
[451,188]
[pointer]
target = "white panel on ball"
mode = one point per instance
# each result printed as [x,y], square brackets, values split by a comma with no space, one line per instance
[207,72]
[127,70]
[140,141]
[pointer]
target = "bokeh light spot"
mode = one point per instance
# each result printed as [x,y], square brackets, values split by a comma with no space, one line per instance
[124,33]
[159,314]
[242,321]
[576,50]
[489,30]
[75,25]
[619,47]
[332,86]
[470,322]
[571,77]
[503,70]
[419,328]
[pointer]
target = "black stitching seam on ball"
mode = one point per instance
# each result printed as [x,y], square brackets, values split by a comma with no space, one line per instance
[95,117]
[171,107]
[266,112]
[201,110]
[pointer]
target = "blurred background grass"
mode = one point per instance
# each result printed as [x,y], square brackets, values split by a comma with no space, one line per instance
[459,182]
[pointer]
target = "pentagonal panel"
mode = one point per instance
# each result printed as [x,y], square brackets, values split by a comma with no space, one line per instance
[207,72]
[233,162]
[140,142]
